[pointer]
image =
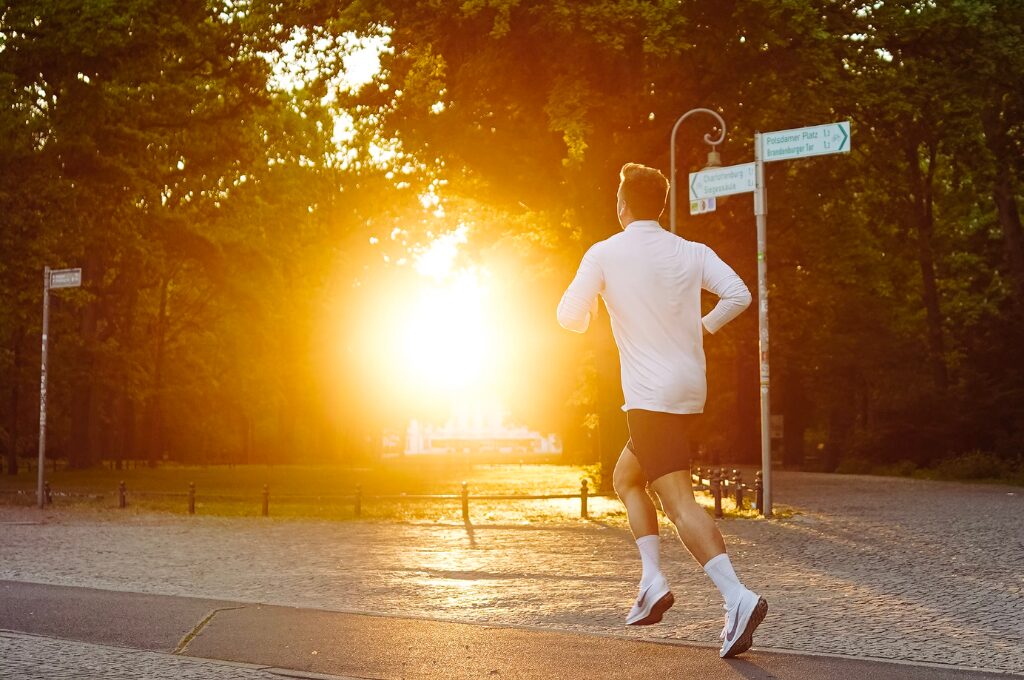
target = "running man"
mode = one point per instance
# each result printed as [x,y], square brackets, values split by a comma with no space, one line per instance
[651,282]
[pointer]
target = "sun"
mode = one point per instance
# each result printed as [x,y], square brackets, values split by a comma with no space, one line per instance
[447,339]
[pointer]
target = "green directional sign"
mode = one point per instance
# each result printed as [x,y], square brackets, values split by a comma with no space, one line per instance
[732,179]
[817,140]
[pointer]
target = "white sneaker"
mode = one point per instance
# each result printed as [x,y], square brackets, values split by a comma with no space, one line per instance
[740,622]
[651,603]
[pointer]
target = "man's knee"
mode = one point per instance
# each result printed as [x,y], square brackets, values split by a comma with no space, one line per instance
[677,502]
[625,481]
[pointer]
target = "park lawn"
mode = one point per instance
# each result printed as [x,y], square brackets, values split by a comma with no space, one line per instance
[321,491]
[407,476]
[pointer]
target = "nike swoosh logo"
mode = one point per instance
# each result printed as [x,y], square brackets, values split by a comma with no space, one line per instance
[640,600]
[728,636]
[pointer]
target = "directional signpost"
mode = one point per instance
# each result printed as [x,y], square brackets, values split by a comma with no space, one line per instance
[65,278]
[734,179]
[706,185]
[816,140]
[52,278]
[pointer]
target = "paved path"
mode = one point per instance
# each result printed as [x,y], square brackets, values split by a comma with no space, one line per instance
[871,567]
[270,639]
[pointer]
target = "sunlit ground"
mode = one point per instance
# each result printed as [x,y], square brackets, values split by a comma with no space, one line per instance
[325,492]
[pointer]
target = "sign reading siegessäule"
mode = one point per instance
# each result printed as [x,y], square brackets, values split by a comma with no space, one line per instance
[65,278]
[733,179]
[816,140]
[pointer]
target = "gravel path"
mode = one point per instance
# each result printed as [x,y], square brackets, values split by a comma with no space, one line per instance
[28,657]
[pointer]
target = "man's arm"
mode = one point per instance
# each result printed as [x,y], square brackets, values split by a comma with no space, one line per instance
[720,279]
[579,303]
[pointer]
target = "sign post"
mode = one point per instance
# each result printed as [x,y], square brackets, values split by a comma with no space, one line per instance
[816,140]
[705,185]
[760,213]
[52,278]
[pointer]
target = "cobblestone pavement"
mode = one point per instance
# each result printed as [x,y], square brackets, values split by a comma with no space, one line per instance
[28,657]
[879,567]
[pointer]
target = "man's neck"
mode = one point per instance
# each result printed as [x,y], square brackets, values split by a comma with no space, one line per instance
[643,224]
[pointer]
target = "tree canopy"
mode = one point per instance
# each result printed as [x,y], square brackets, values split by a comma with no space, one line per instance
[244,211]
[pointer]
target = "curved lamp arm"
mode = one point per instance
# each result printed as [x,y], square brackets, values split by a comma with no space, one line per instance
[672,156]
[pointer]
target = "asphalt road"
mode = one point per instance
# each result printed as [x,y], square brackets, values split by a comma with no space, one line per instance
[363,646]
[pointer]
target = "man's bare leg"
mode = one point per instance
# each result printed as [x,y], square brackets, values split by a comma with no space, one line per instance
[697,530]
[631,487]
[699,533]
[654,597]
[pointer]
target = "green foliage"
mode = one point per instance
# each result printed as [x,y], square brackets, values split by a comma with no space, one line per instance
[223,236]
[976,465]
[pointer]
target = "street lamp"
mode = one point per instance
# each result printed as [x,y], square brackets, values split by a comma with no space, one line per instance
[714,158]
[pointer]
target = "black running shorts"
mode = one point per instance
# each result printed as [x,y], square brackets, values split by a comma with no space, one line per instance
[660,441]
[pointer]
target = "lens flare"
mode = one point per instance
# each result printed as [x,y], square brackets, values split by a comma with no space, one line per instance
[446,339]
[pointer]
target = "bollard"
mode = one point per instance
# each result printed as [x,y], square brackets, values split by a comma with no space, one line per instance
[191,498]
[759,491]
[122,502]
[359,500]
[465,503]
[266,500]
[583,498]
[46,493]
[716,489]
[739,489]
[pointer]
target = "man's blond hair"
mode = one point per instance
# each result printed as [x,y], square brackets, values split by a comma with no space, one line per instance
[644,190]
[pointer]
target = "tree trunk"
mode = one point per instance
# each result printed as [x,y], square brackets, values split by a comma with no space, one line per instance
[612,430]
[1003,195]
[126,403]
[794,423]
[127,445]
[12,451]
[81,452]
[246,429]
[154,407]
[840,426]
[746,444]
[923,221]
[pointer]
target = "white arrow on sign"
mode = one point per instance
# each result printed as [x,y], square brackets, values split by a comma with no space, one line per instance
[733,179]
[65,278]
[816,140]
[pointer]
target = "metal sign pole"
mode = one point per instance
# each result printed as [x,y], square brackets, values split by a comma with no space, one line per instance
[42,388]
[760,212]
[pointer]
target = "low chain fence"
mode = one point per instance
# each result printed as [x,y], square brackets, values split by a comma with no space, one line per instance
[717,482]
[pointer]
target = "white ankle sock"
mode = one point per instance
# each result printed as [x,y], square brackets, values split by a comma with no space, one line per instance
[719,568]
[649,547]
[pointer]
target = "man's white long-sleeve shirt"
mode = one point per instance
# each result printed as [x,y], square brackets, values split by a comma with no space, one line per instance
[651,281]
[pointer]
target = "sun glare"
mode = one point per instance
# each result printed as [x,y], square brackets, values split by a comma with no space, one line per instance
[447,339]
